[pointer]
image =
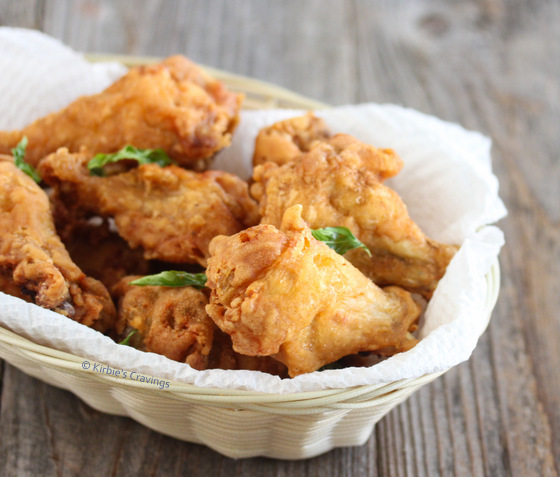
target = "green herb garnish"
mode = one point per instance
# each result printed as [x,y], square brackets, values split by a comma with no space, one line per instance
[340,239]
[173,279]
[19,153]
[126,341]
[143,156]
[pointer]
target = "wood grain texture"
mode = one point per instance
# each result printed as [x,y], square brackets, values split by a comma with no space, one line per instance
[490,65]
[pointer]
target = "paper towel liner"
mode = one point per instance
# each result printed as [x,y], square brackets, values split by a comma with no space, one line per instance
[446,182]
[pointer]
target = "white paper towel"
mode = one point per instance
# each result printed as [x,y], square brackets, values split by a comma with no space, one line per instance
[446,182]
[40,75]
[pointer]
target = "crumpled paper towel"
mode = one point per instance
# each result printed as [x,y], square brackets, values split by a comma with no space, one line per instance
[446,182]
[40,75]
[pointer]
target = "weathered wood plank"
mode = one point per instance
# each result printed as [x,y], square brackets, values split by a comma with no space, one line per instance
[24,14]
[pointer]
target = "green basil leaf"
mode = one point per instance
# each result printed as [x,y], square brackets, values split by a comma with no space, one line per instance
[173,279]
[126,341]
[143,156]
[340,239]
[19,153]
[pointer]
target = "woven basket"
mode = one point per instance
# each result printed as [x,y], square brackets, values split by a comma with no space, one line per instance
[233,422]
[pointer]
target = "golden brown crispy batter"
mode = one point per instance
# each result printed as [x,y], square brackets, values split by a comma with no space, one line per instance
[281,293]
[284,140]
[33,258]
[170,321]
[170,212]
[384,163]
[337,188]
[173,105]
[173,322]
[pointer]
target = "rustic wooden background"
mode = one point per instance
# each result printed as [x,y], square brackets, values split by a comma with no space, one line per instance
[490,65]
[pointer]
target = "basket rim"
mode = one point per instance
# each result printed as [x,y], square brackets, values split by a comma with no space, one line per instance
[275,96]
[288,403]
[358,396]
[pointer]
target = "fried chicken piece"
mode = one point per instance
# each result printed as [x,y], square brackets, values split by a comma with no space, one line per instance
[281,293]
[173,322]
[383,163]
[342,187]
[8,286]
[173,105]
[284,140]
[96,247]
[35,261]
[223,356]
[170,212]
[170,321]
[107,258]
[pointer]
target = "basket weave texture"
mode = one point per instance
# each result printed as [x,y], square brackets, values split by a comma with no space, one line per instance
[235,423]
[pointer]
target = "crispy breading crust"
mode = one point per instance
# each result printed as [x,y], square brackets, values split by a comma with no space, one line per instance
[170,212]
[33,258]
[281,293]
[170,321]
[284,140]
[340,184]
[173,105]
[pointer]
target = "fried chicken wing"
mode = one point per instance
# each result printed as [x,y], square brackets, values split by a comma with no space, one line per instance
[173,105]
[95,247]
[169,321]
[173,322]
[284,140]
[170,212]
[33,258]
[383,163]
[8,286]
[281,293]
[340,186]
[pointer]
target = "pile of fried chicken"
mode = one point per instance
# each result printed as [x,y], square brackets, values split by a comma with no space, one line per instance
[276,299]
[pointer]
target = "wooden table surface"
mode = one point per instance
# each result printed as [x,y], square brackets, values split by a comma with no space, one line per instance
[491,65]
